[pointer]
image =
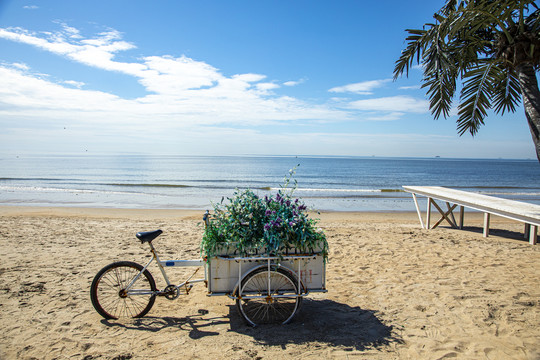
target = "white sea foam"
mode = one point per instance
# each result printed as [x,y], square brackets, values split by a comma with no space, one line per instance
[500,193]
[62,190]
[326,190]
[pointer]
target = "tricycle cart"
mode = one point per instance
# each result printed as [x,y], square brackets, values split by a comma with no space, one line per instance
[267,289]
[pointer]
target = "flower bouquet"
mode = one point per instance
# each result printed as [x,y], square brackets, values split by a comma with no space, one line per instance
[250,225]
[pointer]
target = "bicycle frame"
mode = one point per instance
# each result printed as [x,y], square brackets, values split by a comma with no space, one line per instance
[167,263]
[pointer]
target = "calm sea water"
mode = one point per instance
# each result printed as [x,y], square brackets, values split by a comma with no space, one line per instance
[183,182]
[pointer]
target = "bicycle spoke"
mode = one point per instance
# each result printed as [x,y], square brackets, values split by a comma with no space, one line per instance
[109,295]
[268,309]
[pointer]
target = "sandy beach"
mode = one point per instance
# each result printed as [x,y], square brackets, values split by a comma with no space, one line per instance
[395,291]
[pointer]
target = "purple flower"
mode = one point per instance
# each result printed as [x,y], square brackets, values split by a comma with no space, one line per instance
[288,203]
[266,227]
[291,223]
[268,213]
[276,223]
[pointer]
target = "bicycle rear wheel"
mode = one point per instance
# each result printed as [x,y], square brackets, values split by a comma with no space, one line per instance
[109,295]
[269,297]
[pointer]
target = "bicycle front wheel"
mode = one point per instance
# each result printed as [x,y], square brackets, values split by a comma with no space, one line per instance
[269,297]
[111,297]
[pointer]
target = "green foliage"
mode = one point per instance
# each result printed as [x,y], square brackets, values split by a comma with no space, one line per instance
[275,225]
[483,43]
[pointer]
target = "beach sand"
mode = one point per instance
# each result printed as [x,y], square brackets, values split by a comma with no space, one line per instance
[395,291]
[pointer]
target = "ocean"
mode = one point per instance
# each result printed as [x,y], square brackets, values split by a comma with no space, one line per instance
[198,182]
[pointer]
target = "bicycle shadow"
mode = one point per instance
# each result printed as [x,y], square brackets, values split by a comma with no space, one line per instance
[323,321]
[192,324]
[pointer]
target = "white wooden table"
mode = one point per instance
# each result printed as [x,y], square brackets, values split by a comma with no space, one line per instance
[527,213]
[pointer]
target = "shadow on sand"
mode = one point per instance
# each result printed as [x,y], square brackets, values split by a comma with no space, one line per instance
[324,321]
[195,325]
[508,234]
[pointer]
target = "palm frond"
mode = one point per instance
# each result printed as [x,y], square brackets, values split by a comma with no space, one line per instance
[475,42]
[441,90]
[533,21]
[416,44]
[440,74]
[476,97]
[506,91]
[440,70]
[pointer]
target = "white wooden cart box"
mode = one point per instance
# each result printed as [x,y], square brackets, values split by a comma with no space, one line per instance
[225,271]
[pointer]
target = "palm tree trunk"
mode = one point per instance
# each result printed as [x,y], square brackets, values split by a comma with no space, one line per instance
[531,102]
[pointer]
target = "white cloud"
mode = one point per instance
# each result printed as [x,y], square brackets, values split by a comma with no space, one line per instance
[385,117]
[180,90]
[294,83]
[266,87]
[69,31]
[414,87]
[30,7]
[97,52]
[24,94]
[392,104]
[232,101]
[169,75]
[361,88]
[21,66]
[77,84]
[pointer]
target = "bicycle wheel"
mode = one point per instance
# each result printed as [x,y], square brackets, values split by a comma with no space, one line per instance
[109,295]
[279,301]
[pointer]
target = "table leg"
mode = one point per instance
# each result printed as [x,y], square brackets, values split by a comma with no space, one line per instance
[428,213]
[486,224]
[533,235]
[451,212]
[418,210]
[444,215]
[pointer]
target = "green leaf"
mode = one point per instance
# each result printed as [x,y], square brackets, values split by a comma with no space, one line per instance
[476,97]
[507,92]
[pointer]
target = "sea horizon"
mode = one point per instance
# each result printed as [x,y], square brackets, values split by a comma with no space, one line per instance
[142,154]
[325,183]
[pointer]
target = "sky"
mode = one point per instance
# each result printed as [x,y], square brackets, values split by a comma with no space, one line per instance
[177,77]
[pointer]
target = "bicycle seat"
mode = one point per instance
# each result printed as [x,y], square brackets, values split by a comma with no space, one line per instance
[148,236]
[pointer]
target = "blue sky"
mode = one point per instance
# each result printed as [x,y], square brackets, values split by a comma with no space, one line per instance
[225,78]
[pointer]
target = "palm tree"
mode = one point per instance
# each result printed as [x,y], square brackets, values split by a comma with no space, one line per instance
[492,47]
